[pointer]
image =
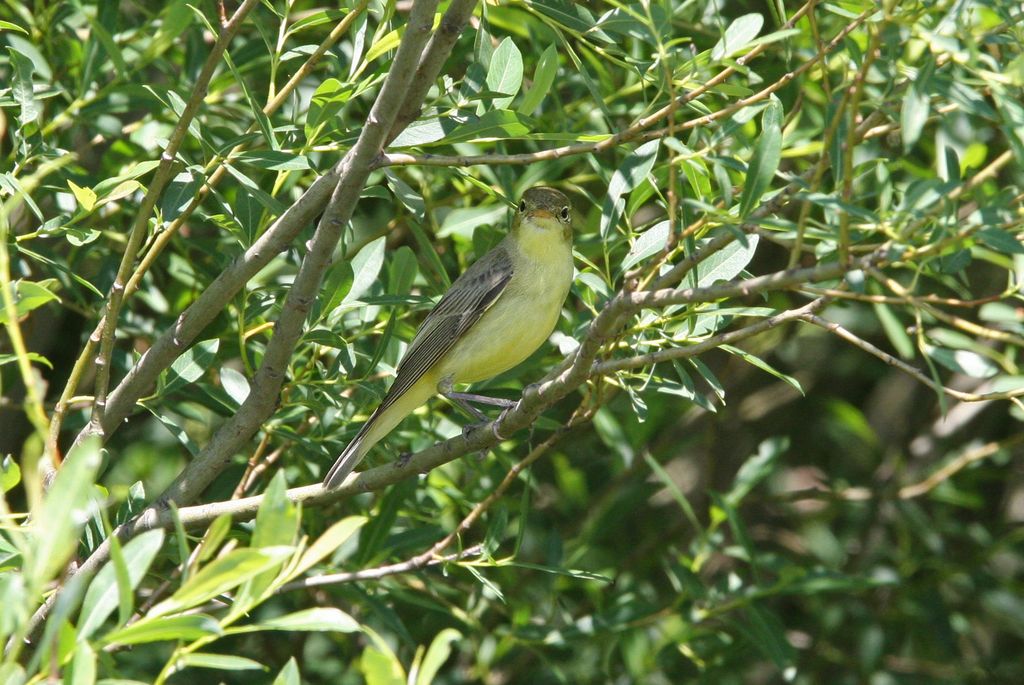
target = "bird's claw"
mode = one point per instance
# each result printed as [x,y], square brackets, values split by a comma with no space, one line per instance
[495,429]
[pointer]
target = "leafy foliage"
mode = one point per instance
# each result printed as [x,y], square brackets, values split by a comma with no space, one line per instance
[778,440]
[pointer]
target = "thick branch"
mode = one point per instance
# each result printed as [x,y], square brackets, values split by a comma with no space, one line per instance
[266,385]
[434,57]
[105,337]
[354,169]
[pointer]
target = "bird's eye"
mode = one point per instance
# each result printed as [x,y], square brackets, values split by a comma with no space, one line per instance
[565,213]
[522,205]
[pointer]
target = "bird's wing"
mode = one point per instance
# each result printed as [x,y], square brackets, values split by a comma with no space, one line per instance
[467,299]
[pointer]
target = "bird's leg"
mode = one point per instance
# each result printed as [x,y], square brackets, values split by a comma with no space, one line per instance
[468,397]
[463,399]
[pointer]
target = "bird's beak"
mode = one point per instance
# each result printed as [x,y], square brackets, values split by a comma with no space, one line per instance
[541,214]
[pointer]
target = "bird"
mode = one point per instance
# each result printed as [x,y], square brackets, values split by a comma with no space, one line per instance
[494,316]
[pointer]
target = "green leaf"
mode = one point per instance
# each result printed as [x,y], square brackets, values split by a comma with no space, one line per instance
[633,170]
[572,16]
[85,197]
[221,575]
[543,78]
[737,36]
[365,267]
[764,366]
[505,74]
[766,633]
[28,295]
[438,652]
[64,510]
[277,518]
[462,222]
[8,26]
[324,106]
[317,619]
[728,262]
[225,662]
[650,242]
[83,665]
[963,361]
[916,106]
[102,597]
[894,330]
[22,88]
[331,539]
[756,469]
[1001,240]
[190,366]
[10,474]
[277,522]
[381,667]
[289,674]
[31,356]
[274,160]
[764,162]
[494,125]
[235,384]
[158,629]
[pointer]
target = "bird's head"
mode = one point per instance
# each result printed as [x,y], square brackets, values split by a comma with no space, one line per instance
[544,211]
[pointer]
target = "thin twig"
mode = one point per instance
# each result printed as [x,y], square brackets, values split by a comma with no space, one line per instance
[906,368]
[947,471]
[354,169]
[638,131]
[105,338]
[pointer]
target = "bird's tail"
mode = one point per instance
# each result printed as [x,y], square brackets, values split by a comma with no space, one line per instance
[351,456]
[388,415]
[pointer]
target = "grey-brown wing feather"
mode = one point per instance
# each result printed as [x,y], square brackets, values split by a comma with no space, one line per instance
[469,297]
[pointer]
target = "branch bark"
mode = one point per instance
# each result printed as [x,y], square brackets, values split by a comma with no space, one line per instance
[351,176]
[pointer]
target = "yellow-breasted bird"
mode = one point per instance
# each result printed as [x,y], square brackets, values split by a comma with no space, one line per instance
[492,318]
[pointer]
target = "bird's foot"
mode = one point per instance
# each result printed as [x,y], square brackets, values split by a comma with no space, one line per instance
[403,460]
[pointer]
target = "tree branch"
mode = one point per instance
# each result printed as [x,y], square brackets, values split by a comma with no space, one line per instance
[354,169]
[906,368]
[638,130]
[274,240]
[104,336]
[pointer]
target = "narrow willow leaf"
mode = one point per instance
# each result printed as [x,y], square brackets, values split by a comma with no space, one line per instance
[728,262]
[64,510]
[225,662]
[83,665]
[289,674]
[628,176]
[894,330]
[763,365]
[737,36]
[765,159]
[365,267]
[190,366]
[21,86]
[235,384]
[165,628]
[438,652]
[28,295]
[331,539]
[913,115]
[648,243]
[494,125]
[221,575]
[274,160]
[755,469]
[505,73]
[543,78]
[318,619]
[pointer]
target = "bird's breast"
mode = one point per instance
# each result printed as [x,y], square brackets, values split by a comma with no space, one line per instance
[519,321]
